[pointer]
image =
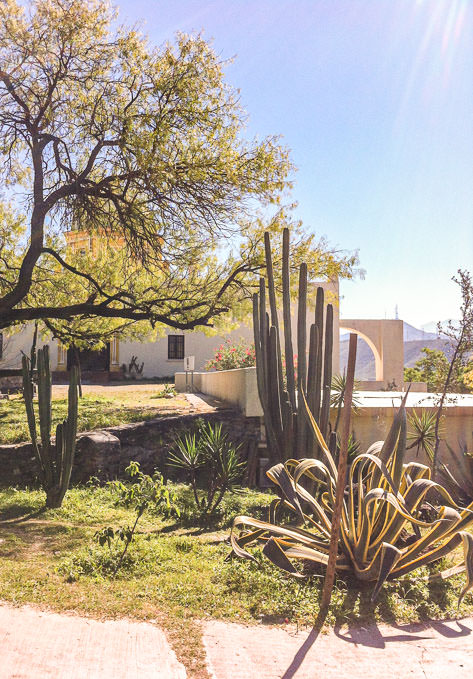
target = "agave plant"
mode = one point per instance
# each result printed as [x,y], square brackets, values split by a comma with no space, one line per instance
[459,482]
[382,534]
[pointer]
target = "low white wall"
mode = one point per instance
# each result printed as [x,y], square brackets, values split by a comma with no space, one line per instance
[236,386]
[373,420]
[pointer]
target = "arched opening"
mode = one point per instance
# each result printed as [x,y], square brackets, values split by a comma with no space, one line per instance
[369,365]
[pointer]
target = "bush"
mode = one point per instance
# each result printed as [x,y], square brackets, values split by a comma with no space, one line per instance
[230,355]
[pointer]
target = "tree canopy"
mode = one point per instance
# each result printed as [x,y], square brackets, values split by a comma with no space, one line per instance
[144,147]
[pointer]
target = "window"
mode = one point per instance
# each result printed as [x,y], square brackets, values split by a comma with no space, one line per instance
[175,347]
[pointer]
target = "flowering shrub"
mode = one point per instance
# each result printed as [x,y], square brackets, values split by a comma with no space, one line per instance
[230,355]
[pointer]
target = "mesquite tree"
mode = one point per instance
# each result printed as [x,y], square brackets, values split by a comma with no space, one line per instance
[142,147]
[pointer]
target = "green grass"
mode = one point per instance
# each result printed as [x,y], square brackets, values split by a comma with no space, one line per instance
[95,412]
[176,574]
[178,568]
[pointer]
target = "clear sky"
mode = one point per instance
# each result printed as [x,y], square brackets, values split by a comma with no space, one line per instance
[375,100]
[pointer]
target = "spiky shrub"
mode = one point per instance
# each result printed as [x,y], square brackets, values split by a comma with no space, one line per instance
[54,460]
[382,533]
[212,463]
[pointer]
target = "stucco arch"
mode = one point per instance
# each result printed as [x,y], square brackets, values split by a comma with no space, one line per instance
[386,341]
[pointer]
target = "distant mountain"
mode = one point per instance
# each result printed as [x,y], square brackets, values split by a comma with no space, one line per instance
[432,326]
[411,333]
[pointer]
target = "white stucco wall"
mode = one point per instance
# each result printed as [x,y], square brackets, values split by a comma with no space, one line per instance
[20,342]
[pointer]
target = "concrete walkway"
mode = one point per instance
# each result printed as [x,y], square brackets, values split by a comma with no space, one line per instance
[40,645]
[43,645]
[438,651]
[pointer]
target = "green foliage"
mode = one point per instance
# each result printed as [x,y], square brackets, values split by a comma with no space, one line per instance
[432,368]
[55,461]
[421,434]
[382,535]
[96,412]
[181,572]
[456,473]
[230,355]
[164,173]
[212,464]
[168,391]
[141,493]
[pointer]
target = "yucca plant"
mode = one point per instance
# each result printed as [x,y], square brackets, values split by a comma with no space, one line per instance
[212,462]
[382,534]
[421,434]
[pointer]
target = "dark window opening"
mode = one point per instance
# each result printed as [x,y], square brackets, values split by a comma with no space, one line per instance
[1,345]
[176,346]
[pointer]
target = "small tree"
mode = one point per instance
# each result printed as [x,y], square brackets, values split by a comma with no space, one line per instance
[432,368]
[460,339]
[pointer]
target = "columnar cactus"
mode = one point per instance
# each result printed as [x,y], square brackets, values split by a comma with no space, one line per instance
[284,415]
[55,461]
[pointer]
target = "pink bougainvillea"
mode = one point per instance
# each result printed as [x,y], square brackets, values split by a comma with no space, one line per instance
[232,355]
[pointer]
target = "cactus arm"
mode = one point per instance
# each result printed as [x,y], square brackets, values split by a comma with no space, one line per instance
[44,408]
[286,296]
[30,416]
[311,380]
[328,349]
[273,386]
[273,308]
[261,376]
[301,359]
[319,324]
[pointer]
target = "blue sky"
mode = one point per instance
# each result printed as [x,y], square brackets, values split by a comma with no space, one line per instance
[375,100]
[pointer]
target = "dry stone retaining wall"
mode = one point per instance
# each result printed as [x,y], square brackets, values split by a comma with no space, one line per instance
[106,453]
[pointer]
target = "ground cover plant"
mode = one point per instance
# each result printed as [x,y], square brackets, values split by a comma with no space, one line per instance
[176,571]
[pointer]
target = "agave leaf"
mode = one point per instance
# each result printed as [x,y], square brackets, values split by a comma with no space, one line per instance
[419,489]
[241,541]
[276,555]
[389,556]
[318,436]
[375,448]
[310,554]
[449,517]
[278,474]
[296,534]
[437,552]
[467,539]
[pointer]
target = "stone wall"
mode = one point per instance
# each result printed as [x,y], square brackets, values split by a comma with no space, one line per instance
[106,453]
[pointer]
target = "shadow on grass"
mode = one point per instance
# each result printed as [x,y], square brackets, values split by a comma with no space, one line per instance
[19,512]
[32,538]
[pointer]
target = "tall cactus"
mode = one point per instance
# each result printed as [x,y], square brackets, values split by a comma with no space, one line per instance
[55,461]
[283,407]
